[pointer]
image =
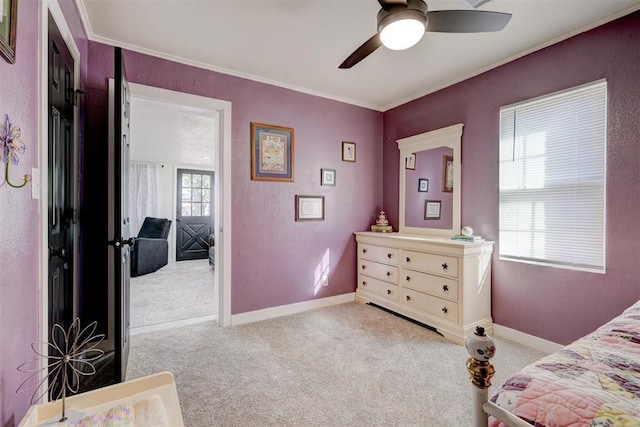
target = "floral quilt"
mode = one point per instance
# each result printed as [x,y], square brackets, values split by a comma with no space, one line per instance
[594,381]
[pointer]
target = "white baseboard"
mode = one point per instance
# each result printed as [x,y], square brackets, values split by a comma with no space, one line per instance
[285,310]
[171,324]
[534,342]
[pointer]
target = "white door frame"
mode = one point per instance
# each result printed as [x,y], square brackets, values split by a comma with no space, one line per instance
[222,192]
[39,183]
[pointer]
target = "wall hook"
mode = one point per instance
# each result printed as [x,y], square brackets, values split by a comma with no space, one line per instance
[12,145]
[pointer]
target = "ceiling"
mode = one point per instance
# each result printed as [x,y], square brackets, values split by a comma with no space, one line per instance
[170,133]
[299,44]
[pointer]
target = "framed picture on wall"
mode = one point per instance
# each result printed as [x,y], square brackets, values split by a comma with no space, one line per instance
[328,177]
[309,208]
[447,174]
[423,185]
[348,151]
[410,161]
[271,153]
[432,209]
[8,24]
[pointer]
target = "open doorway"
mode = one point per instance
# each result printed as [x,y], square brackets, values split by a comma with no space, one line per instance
[166,138]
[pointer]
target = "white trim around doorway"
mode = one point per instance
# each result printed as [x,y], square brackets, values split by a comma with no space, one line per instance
[223,174]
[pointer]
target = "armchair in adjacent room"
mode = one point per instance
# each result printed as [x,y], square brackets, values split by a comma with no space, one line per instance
[151,248]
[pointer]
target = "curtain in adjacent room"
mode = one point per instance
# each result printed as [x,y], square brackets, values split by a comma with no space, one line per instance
[144,193]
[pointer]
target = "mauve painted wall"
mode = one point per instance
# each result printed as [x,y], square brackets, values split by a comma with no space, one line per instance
[273,257]
[20,225]
[428,166]
[555,304]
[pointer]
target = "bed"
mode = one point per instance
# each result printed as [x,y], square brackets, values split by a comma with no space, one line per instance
[151,401]
[595,381]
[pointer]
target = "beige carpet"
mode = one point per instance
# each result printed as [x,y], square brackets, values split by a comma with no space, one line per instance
[346,365]
[178,291]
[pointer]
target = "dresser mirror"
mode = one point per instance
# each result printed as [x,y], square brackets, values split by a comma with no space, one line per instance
[430,182]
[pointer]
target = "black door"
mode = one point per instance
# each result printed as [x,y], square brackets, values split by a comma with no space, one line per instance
[120,238]
[194,216]
[60,179]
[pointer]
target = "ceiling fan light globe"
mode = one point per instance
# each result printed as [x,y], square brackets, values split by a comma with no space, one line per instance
[402,33]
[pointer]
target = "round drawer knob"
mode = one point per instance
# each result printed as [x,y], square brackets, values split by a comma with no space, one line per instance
[364,267]
[445,266]
[389,256]
[408,259]
[388,291]
[445,288]
[388,273]
[364,250]
[364,283]
[408,297]
[445,310]
[408,278]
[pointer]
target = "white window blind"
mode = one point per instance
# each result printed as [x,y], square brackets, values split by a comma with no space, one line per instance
[552,179]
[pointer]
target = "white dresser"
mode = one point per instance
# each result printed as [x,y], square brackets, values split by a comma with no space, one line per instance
[440,282]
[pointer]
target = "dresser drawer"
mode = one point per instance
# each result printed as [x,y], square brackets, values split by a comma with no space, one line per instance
[432,263]
[378,253]
[379,271]
[428,283]
[378,287]
[438,307]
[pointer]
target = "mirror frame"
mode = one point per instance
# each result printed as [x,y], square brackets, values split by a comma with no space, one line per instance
[446,137]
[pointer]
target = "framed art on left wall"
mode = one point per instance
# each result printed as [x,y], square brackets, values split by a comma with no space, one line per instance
[272,154]
[8,24]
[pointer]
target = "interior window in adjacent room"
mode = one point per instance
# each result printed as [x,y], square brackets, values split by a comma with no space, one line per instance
[552,179]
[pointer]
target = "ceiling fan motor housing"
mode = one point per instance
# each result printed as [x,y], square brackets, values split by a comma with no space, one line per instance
[415,9]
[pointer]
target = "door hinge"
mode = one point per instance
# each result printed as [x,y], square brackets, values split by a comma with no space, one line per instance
[76,100]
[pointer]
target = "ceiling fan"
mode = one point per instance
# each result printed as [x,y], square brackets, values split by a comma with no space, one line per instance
[402,23]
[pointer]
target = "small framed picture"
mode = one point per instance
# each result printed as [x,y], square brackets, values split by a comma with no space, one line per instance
[328,177]
[410,161]
[309,208]
[423,185]
[447,174]
[432,209]
[348,151]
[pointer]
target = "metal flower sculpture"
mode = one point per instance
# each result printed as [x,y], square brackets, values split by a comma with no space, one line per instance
[69,355]
[12,145]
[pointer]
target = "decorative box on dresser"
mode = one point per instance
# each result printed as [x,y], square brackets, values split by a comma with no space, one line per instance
[440,282]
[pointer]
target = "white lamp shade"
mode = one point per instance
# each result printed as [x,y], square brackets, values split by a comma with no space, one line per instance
[402,34]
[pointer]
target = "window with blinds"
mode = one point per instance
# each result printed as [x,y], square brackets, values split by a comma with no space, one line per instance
[552,179]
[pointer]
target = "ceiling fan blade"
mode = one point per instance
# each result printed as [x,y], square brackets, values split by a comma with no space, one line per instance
[466,21]
[362,52]
[386,4]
